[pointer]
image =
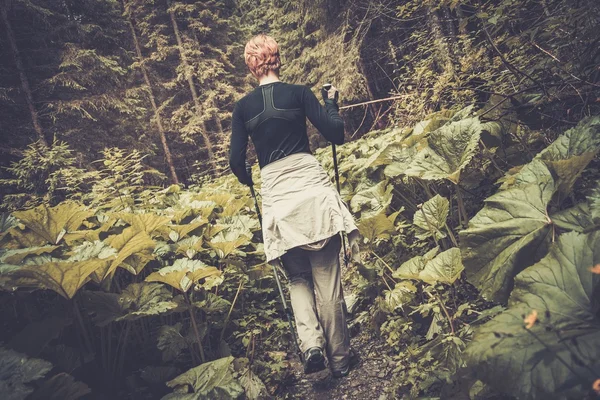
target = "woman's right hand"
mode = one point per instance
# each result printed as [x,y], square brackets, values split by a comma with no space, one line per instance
[330,92]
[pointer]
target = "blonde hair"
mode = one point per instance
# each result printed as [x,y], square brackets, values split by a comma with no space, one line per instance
[262,55]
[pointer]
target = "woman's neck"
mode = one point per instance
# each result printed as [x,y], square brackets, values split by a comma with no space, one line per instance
[270,77]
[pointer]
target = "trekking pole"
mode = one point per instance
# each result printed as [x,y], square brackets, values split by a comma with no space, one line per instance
[337,183]
[326,87]
[286,309]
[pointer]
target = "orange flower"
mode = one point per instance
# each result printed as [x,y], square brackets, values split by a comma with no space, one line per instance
[595,269]
[596,386]
[531,319]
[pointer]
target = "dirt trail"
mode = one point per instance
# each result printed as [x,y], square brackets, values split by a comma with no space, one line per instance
[367,381]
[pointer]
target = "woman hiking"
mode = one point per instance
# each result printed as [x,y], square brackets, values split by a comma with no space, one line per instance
[303,215]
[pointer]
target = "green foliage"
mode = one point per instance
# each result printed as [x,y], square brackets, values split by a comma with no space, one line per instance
[43,174]
[212,380]
[551,356]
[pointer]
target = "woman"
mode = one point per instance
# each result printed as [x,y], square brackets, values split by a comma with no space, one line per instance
[303,215]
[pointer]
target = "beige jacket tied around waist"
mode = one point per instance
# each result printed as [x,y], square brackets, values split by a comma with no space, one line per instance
[301,206]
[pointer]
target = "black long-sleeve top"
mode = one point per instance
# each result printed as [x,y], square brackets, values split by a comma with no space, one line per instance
[274,116]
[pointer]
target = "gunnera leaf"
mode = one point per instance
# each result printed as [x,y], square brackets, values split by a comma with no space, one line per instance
[183,273]
[65,278]
[430,220]
[254,388]
[402,294]
[412,268]
[372,200]
[584,138]
[131,241]
[136,301]
[450,150]
[377,227]
[16,370]
[60,387]
[211,380]
[446,267]
[503,238]
[147,222]
[171,342]
[528,363]
[51,223]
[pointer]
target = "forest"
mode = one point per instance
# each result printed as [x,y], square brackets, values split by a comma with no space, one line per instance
[131,259]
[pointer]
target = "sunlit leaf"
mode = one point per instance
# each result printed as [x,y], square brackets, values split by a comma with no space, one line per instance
[211,380]
[17,256]
[446,267]
[129,242]
[65,278]
[254,388]
[183,274]
[147,222]
[377,227]
[450,150]
[51,223]
[182,231]
[412,268]
[430,219]
[372,200]
[402,294]
[226,242]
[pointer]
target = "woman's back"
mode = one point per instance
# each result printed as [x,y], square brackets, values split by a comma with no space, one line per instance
[274,116]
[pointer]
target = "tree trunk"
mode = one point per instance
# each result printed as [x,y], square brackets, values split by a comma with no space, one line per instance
[190,79]
[22,75]
[159,125]
[451,33]
[443,53]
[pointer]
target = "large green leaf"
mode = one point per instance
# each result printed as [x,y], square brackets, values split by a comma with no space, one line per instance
[183,274]
[528,363]
[61,386]
[16,370]
[450,150]
[131,241]
[227,241]
[432,267]
[503,238]
[584,138]
[176,232]
[138,300]
[171,342]
[377,227]
[403,293]
[254,388]
[51,223]
[65,277]
[430,219]
[372,200]
[211,380]
[17,256]
[147,222]
[412,268]
[446,267]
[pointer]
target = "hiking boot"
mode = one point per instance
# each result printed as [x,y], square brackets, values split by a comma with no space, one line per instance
[353,362]
[314,360]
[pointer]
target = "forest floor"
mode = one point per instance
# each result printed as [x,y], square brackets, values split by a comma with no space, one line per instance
[368,380]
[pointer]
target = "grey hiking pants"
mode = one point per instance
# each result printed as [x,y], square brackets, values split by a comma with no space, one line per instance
[318,302]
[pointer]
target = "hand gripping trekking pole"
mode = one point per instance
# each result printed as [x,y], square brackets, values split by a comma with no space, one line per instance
[286,309]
